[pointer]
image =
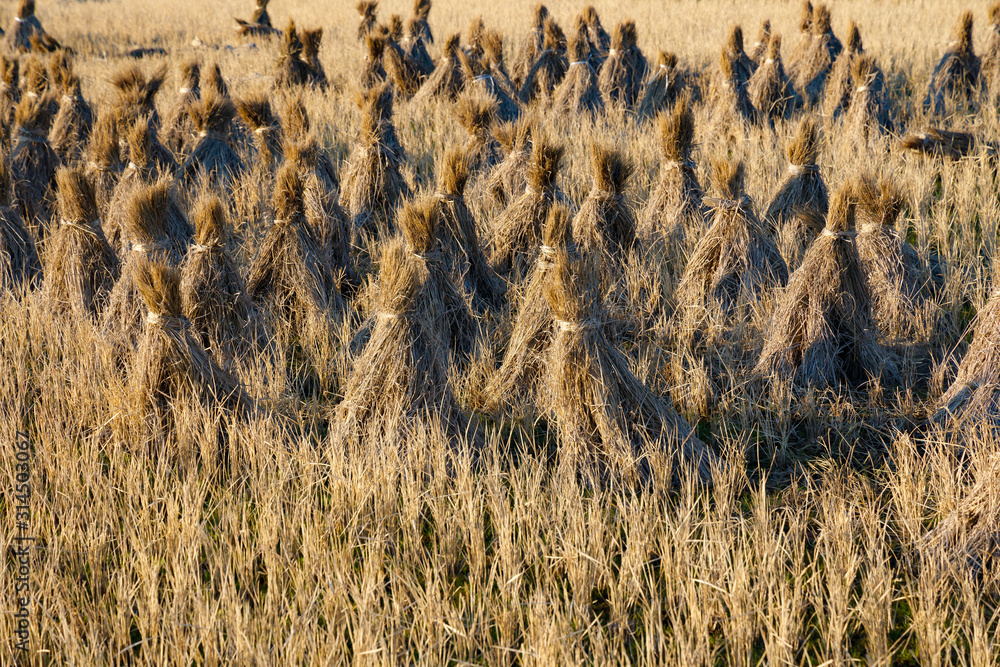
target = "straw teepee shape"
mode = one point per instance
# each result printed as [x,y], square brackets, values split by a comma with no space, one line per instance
[10,96]
[289,272]
[481,80]
[840,82]
[509,178]
[421,15]
[609,423]
[74,121]
[459,236]
[213,159]
[957,73]
[674,210]
[405,75]
[36,83]
[822,332]
[517,378]
[311,41]
[743,66]
[103,160]
[477,114]
[145,236]
[549,68]
[170,367]
[517,231]
[178,128]
[801,199]
[797,54]
[400,380]
[259,25]
[135,96]
[735,259]
[81,268]
[373,73]
[758,53]
[256,111]
[599,38]
[438,297]
[869,115]
[373,183]
[19,264]
[942,143]
[728,99]
[605,223]
[770,90]
[990,60]
[292,69]
[579,92]
[18,38]
[213,295]
[662,88]
[416,50]
[892,267]
[33,164]
[143,170]
[623,72]
[446,79]
[530,47]
[810,69]
[369,20]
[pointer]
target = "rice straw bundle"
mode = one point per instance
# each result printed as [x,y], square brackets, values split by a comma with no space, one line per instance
[770,89]
[146,235]
[810,71]
[608,421]
[674,210]
[446,79]
[35,83]
[624,70]
[292,70]
[259,25]
[373,182]
[600,40]
[404,74]
[373,74]
[327,220]
[957,73]
[135,96]
[891,266]
[805,37]
[474,38]
[496,65]
[421,13]
[990,61]
[480,80]
[549,68]
[438,299]
[143,170]
[178,129]
[509,178]
[170,367]
[735,259]
[416,51]
[366,11]
[255,110]
[289,272]
[868,116]
[400,380]
[530,47]
[840,83]
[74,121]
[311,41]
[743,66]
[662,89]
[937,142]
[518,375]
[605,224]
[822,332]
[477,114]
[579,93]
[459,237]
[104,162]
[33,164]
[19,265]
[81,268]
[213,160]
[213,295]
[759,51]
[801,199]
[728,99]
[26,25]
[10,96]
[517,232]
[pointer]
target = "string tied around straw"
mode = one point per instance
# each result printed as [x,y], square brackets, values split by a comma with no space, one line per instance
[799,169]
[571,326]
[770,61]
[70,98]
[265,128]
[862,89]
[186,91]
[146,247]
[86,228]
[679,164]
[199,248]
[840,236]
[212,134]
[33,137]
[153,319]
[727,204]
[446,198]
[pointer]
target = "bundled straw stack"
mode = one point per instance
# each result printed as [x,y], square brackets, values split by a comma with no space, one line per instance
[19,265]
[446,79]
[509,178]
[840,84]
[674,211]
[26,31]
[611,427]
[530,47]
[74,121]
[770,90]
[421,15]
[600,40]
[604,225]
[311,41]
[135,97]
[663,87]
[869,117]
[33,164]
[213,161]
[405,74]
[812,65]
[735,260]
[373,74]
[579,92]
[477,114]
[743,66]
[990,61]
[957,74]
[179,130]
[255,110]
[822,332]
[549,68]
[81,268]
[936,142]
[104,163]
[517,231]
[10,96]
[415,50]
[369,20]
[400,381]
[483,80]
[728,98]
[759,51]
[801,199]
[259,25]
[624,70]
[292,69]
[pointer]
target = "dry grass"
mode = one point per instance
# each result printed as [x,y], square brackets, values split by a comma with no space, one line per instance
[336,514]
